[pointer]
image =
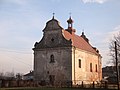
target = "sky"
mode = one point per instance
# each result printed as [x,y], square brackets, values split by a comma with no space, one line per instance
[22,22]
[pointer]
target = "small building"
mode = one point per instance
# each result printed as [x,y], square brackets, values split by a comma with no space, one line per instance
[62,56]
[109,74]
[29,76]
[108,71]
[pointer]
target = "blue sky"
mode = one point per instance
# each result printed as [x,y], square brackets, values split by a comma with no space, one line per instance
[22,22]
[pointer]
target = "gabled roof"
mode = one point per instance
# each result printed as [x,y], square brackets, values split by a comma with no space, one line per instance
[30,73]
[52,24]
[79,42]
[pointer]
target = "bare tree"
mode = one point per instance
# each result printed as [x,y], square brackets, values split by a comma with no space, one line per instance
[112,48]
[19,76]
[7,75]
[1,75]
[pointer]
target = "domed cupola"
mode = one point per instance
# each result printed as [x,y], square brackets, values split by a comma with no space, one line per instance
[70,22]
[70,25]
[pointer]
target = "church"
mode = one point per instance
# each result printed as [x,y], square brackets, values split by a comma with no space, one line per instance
[61,56]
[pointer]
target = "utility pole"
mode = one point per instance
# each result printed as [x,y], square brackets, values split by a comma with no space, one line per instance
[117,68]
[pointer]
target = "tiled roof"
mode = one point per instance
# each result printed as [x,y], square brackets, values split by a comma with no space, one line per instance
[78,42]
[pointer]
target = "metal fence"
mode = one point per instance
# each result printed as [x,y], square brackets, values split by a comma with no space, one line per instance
[31,83]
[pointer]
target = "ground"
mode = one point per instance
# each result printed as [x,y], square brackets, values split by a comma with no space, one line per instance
[33,88]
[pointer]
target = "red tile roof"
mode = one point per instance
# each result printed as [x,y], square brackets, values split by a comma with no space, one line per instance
[78,42]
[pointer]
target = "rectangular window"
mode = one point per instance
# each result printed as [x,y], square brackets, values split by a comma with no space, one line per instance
[79,63]
[90,67]
[96,67]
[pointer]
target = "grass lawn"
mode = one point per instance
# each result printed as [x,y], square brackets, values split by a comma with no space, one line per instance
[33,88]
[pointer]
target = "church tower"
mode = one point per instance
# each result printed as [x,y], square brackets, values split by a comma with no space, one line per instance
[52,55]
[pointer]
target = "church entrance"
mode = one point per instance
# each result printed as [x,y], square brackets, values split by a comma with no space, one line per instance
[52,79]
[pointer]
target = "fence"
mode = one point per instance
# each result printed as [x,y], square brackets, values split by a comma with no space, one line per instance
[16,83]
[31,83]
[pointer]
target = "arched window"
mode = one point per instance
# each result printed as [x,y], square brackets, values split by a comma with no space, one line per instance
[52,59]
[90,67]
[96,68]
[79,63]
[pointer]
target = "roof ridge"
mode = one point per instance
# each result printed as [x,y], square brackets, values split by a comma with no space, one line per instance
[79,42]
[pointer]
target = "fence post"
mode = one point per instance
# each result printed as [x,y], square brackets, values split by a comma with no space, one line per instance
[0,83]
[106,84]
[71,83]
[82,84]
[93,84]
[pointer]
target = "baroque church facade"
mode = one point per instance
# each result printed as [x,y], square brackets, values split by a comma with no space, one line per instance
[62,56]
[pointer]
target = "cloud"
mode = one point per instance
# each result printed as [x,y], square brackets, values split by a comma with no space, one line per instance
[115,32]
[18,2]
[110,35]
[94,1]
[102,43]
[117,28]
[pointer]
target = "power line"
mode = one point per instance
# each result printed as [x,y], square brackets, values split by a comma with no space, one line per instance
[15,58]
[20,51]
[19,60]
